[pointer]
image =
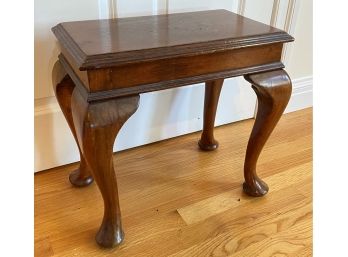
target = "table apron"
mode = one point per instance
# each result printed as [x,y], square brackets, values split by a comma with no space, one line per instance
[131,79]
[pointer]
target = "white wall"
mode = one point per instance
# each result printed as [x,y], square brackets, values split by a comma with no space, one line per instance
[166,113]
[301,58]
[47,14]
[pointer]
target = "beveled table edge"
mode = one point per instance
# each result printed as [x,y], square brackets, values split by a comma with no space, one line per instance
[85,62]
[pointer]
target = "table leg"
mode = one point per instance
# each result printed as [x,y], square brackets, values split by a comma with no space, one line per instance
[97,125]
[211,99]
[82,175]
[273,90]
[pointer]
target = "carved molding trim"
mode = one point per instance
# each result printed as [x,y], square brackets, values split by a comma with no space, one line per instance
[289,15]
[160,7]
[275,12]
[241,7]
[107,9]
[85,62]
[289,27]
[104,95]
[113,9]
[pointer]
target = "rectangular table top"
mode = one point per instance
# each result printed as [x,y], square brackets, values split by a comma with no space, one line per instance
[104,43]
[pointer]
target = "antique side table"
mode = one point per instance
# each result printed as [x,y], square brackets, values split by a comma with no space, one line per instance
[107,64]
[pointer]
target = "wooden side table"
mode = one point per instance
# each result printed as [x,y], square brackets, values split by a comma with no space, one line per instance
[108,63]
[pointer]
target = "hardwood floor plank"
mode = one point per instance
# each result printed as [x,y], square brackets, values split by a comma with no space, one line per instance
[251,236]
[304,252]
[184,202]
[204,209]
[43,248]
[180,236]
[282,244]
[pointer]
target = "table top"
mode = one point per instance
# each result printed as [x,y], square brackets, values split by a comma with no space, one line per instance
[105,43]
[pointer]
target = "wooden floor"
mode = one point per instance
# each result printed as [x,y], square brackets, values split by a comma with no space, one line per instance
[179,201]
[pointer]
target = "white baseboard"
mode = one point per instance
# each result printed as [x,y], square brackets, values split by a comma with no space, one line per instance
[55,145]
[302,94]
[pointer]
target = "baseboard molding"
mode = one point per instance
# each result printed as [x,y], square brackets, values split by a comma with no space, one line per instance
[55,146]
[302,94]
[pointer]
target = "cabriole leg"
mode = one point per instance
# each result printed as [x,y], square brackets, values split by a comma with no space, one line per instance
[273,90]
[97,125]
[82,175]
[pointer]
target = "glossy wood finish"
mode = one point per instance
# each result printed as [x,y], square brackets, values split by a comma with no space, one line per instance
[111,62]
[177,201]
[99,44]
[142,54]
[273,90]
[97,125]
[63,90]
[249,63]
[187,67]
[211,99]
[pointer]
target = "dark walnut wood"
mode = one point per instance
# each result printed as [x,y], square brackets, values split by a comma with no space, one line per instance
[135,55]
[273,90]
[211,99]
[97,125]
[110,62]
[105,78]
[107,43]
[63,90]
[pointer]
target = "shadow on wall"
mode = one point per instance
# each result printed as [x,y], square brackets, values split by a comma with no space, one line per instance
[162,115]
[54,144]
[174,112]
[43,66]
